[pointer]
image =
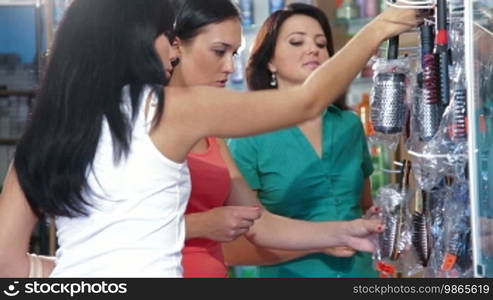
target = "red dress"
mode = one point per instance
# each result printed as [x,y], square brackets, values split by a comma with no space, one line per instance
[211,185]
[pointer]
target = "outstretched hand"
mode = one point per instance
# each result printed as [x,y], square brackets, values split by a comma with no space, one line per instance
[345,251]
[358,234]
[399,20]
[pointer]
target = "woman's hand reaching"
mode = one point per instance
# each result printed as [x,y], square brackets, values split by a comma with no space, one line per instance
[358,234]
[394,21]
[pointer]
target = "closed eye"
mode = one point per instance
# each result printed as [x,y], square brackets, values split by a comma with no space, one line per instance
[296,43]
[220,53]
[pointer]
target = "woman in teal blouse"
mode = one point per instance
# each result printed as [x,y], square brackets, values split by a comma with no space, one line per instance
[317,171]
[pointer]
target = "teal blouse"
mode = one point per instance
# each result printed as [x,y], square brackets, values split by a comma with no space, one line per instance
[293,181]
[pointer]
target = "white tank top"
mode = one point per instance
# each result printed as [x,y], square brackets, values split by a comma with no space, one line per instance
[135,227]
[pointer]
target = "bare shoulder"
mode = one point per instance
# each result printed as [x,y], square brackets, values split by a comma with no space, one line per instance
[176,132]
[184,101]
[178,105]
[175,94]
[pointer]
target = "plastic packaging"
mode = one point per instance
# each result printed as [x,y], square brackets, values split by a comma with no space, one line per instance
[389,100]
[396,238]
[437,229]
[437,200]
[457,252]
[421,219]
[446,153]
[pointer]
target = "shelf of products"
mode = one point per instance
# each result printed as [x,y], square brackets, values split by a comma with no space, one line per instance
[14,109]
[8,141]
[354,14]
[18,71]
[352,26]
[17,2]
[26,28]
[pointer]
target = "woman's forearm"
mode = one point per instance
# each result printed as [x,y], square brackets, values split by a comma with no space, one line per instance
[273,231]
[243,252]
[17,221]
[192,226]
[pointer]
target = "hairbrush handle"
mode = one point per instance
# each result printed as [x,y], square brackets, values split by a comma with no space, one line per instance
[393,50]
[427,39]
[443,51]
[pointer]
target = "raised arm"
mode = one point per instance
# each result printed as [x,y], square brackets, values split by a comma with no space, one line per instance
[17,222]
[193,113]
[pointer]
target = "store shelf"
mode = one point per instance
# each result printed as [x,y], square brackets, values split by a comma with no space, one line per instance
[14,97]
[17,2]
[8,141]
[21,93]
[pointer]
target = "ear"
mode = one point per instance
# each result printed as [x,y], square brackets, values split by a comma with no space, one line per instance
[178,45]
[272,68]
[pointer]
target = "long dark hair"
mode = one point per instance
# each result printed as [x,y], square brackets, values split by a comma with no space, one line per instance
[193,15]
[258,75]
[100,47]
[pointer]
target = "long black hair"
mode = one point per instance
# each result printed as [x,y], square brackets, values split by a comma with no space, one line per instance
[100,46]
[193,15]
[258,75]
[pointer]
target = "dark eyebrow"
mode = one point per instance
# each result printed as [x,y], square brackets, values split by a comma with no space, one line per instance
[304,33]
[226,45]
[223,44]
[293,33]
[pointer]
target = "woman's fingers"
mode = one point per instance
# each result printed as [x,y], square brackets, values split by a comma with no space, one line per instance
[371,212]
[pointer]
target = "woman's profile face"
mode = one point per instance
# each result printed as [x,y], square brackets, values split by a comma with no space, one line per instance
[301,48]
[166,53]
[208,58]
